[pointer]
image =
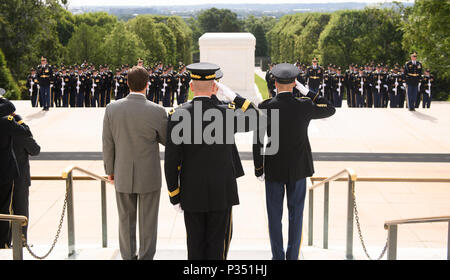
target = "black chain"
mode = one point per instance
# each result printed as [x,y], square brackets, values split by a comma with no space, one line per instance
[56,237]
[359,229]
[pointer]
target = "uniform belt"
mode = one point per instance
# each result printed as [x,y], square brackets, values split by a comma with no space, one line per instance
[44,76]
[315,77]
[414,75]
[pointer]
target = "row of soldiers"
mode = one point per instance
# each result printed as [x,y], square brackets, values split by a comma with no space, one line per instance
[363,86]
[85,86]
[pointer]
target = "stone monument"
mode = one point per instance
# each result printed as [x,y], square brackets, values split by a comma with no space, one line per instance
[235,54]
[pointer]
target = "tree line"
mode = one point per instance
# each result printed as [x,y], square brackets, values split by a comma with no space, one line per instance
[376,35]
[31,28]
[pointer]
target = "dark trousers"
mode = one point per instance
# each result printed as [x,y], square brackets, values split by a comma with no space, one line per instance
[20,202]
[65,98]
[412,95]
[426,102]
[45,95]
[80,98]
[208,234]
[393,99]
[5,204]
[34,98]
[108,95]
[296,192]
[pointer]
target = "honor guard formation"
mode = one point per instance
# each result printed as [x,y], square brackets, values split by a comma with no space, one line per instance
[369,86]
[85,86]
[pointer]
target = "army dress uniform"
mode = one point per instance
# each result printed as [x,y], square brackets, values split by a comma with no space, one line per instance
[426,88]
[45,74]
[413,74]
[314,76]
[338,89]
[287,169]
[9,128]
[201,177]
[33,88]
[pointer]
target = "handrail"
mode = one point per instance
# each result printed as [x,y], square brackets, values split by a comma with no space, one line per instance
[13,218]
[348,171]
[71,168]
[351,177]
[68,175]
[392,227]
[389,179]
[417,221]
[17,222]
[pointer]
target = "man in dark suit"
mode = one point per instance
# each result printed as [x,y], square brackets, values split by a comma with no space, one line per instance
[23,148]
[200,173]
[9,128]
[287,169]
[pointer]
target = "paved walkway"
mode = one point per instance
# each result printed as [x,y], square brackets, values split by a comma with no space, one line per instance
[349,131]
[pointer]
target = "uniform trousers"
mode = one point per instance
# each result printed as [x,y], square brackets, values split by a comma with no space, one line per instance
[5,205]
[45,96]
[208,234]
[20,204]
[296,192]
[412,95]
[146,205]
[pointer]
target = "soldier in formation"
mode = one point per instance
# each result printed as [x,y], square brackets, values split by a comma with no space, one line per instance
[369,85]
[85,86]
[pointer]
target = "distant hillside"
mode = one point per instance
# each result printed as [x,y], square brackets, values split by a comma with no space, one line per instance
[242,10]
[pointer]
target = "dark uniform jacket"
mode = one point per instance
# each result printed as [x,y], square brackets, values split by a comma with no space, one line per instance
[202,177]
[413,73]
[294,159]
[24,147]
[9,128]
[314,76]
[45,74]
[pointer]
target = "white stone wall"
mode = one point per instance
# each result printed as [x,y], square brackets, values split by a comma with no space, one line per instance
[235,54]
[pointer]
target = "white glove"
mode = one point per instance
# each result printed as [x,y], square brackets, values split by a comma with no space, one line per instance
[303,90]
[225,93]
[178,208]
[261,178]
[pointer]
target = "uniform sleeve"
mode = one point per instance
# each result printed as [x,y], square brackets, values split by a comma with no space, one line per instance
[252,112]
[172,164]
[30,145]
[321,109]
[258,146]
[108,145]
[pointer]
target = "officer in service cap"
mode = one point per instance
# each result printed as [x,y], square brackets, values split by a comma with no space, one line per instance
[287,169]
[200,172]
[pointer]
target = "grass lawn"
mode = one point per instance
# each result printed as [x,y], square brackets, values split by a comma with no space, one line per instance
[262,86]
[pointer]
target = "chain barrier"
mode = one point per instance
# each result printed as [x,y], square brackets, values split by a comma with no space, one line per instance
[56,237]
[359,230]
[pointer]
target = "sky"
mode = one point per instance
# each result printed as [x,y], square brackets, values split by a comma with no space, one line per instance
[197,2]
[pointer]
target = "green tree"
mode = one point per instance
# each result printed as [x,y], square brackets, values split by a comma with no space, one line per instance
[219,20]
[6,80]
[122,46]
[295,37]
[169,41]
[85,44]
[146,29]
[183,35]
[362,36]
[426,31]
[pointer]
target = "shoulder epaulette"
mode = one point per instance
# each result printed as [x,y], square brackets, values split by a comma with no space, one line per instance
[171,111]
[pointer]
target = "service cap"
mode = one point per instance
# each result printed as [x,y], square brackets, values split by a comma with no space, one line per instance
[285,73]
[203,71]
